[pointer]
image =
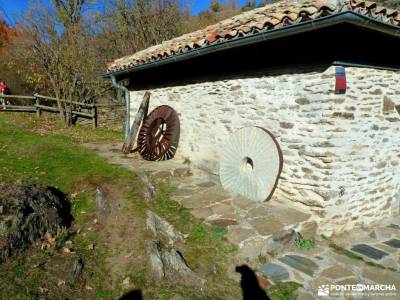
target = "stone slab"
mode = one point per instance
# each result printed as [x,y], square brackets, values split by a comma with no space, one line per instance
[205,198]
[300,263]
[394,226]
[206,184]
[395,243]
[222,209]
[266,226]
[202,212]
[381,276]
[223,222]
[239,234]
[369,251]
[336,272]
[183,192]
[243,203]
[275,272]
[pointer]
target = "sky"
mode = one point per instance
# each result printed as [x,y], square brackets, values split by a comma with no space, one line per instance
[13,8]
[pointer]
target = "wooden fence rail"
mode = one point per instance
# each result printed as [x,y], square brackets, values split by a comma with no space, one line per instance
[39,103]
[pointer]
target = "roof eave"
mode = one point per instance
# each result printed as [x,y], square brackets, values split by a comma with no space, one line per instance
[343,17]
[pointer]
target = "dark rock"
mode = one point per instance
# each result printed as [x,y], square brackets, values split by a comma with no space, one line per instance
[395,226]
[300,263]
[28,212]
[281,240]
[235,88]
[368,251]
[393,119]
[387,104]
[285,236]
[181,172]
[77,269]
[395,243]
[275,272]
[206,184]
[302,101]
[376,92]
[375,127]
[343,115]
[286,125]
[223,222]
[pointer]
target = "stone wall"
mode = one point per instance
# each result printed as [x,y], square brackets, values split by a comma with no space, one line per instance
[340,151]
[366,140]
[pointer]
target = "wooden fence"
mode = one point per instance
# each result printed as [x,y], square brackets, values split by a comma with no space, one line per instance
[39,103]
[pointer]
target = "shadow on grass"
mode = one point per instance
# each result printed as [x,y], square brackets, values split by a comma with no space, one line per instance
[249,284]
[132,295]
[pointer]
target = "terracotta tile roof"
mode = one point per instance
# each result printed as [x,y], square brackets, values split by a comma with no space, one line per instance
[271,16]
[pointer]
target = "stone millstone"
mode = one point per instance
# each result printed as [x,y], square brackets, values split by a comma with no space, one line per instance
[251,163]
[27,213]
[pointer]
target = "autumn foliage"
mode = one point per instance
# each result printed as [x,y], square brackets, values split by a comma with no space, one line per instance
[7,34]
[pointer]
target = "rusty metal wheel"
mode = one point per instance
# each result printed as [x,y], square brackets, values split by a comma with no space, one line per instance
[159,135]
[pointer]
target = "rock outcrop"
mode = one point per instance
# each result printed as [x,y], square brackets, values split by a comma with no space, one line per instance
[27,213]
[166,261]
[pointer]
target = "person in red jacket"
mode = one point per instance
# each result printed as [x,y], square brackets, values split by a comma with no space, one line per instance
[4,90]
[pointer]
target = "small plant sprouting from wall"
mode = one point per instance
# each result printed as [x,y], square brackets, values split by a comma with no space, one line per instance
[187,161]
[305,244]
[262,259]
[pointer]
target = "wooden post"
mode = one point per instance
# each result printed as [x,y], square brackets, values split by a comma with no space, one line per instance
[4,99]
[94,116]
[38,109]
[140,115]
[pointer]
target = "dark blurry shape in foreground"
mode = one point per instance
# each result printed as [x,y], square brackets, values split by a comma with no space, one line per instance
[249,284]
[132,295]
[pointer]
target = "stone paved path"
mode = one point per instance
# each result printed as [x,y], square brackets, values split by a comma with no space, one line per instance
[265,233]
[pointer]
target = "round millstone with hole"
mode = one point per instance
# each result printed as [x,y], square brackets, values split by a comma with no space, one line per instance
[251,163]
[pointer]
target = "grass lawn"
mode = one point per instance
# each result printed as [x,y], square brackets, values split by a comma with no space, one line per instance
[45,152]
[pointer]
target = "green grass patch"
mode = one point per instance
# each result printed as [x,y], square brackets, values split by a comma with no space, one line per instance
[55,160]
[44,152]
[262,259]
[48,125]
[305,244]
[283,291]
[82,203]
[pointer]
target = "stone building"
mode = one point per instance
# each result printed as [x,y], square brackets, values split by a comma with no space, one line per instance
[276,67]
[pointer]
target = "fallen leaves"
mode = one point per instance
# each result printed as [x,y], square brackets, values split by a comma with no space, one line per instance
[126,282]
[50,239]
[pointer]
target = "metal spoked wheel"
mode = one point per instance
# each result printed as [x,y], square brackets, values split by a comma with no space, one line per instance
[159,135]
